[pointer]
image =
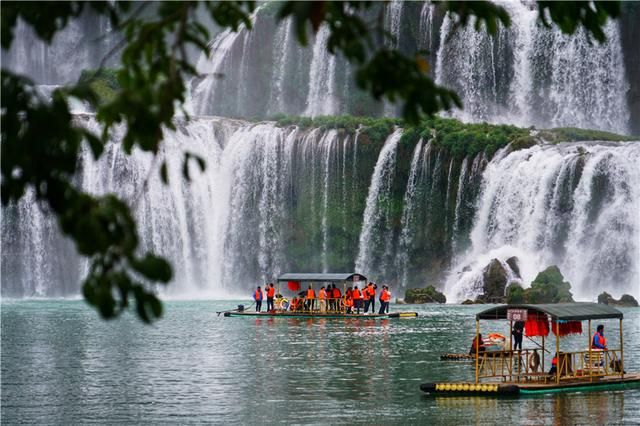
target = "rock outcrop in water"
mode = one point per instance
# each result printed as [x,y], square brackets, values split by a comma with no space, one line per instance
[548,287]
[424,295]
[626,300]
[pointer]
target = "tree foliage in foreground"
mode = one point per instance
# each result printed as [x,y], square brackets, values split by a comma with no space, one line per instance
[41,141]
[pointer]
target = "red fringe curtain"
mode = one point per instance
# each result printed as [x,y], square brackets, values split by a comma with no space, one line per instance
[564,328]
[536,325]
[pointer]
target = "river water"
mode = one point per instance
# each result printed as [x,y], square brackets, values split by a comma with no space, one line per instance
[61,364]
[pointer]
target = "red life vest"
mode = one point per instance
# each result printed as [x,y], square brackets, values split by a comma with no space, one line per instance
[365,294]
[355,294]
[271,292]
[385,296]
[554,361]
[372,291]
[336,293]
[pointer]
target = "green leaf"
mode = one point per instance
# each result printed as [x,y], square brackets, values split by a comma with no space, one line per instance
[153,267]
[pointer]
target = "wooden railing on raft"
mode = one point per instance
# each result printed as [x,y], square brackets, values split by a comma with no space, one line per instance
[517,366]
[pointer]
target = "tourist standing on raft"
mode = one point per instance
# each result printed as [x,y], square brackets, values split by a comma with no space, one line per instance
[271,292]
[311,298]
[356,295]
[322,299]
[371,288]
[518,332]
[336,295]
[385,297]
[257,296]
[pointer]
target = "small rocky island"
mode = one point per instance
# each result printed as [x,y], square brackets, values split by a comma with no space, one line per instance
[424,295]
[626,300]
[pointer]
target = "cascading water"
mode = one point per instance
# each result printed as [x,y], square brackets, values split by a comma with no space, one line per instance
[322,98]
[574,205]
[376,235]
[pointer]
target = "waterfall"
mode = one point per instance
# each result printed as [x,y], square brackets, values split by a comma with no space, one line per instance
[529,75]
[408,212]
[321,99]
[574,205]
[375,235]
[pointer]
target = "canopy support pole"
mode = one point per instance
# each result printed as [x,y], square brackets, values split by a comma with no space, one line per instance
[590,359]
[543,351]
[477,346]
[621,352]
[558,361]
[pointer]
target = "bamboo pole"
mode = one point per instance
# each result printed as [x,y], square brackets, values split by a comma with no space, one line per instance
[557,353]
[543,351]
[590,365]
[621,352]
[477,346]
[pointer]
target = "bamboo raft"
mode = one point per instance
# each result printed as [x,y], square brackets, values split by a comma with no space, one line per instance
[303,314]
[518,372]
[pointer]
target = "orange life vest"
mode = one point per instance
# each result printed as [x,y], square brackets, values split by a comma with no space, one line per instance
[365,294]
[385,296]
[602,340]
[322,295]
[355,294]
[371,291]
[554,361]
[271,292]
[348,302]
[258,295]
[311,294]
[336,293]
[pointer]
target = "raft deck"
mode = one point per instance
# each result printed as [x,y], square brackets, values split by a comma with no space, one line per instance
[303,314]
[629,381]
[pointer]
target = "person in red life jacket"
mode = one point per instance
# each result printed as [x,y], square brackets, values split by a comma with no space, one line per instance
[348,300]
[598,341]
[481,348]
[356,295]
[311,298]
[335,294]
[258,296]
[271,292]
[366,298]
[385,297]
[371,288]
[554,365]
[322,299]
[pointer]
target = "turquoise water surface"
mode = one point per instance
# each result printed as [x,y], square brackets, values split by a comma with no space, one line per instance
[61,364]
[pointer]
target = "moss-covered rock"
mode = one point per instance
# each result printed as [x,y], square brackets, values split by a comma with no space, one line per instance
[549,287]
[424,295]
[516,294]
[626,300]
[468,302]
[104,83]
[514,264]
[494,282]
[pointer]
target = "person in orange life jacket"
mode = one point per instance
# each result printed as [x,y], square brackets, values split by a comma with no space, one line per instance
[371,288]
[554,365]
[311,298]
[271,292]
[348,299]
[385,297]
[366,299]
[258,296]
[335,297]
[322,299]
[481,348]
[356,295]
[598,341]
